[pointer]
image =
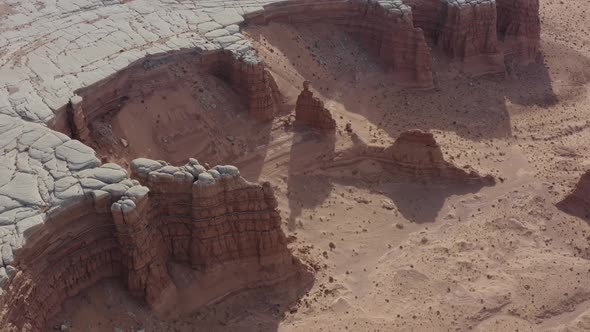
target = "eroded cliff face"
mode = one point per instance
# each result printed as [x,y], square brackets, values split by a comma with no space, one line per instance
[310,110]
[481,33]
[385,27]
[212,220]
[519,27]
[469,30]
[244,73]
[416,154]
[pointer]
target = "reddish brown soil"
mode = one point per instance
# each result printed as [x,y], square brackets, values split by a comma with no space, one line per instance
[394,253]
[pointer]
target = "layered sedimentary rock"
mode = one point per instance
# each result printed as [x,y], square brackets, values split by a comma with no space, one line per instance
[463,30]
[386,28]
[310,110]
[245,74]
[417,154]
[210,219]
[519,27]
[578,201]
[481,32]
[468,29]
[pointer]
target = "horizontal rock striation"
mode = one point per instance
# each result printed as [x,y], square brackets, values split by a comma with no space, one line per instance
[519,27]
[209,219]
[310,110]
[481,33]
[468,29]
[416,154]
[244,73]
[386,28]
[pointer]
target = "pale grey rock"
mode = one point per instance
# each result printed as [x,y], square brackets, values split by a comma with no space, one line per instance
[23,188]
[208,26]
[227,16]
[10,270]
[137,192]
[143,166]
[92,183]
[205,179]
[6,253]
[227,170]
[77,155]
[115,189]
[3,277]
[28,223]
[107,175]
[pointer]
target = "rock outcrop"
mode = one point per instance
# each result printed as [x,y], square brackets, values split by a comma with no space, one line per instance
[310,110]
[385,27]
[578,201]
[209,219]
[519,27]
[481,33]
[245,74]
[468,30]
[416,154]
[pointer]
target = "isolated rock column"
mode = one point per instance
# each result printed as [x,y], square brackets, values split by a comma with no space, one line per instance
[80,129]
[311,111]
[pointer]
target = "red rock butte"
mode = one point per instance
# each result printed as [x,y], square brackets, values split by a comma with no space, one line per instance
[67,220]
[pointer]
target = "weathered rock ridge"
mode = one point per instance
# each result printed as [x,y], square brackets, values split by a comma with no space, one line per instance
[477,33]
[244,73]
[385,27]
[415,153]
[310,110]
[209,219]
[519,27]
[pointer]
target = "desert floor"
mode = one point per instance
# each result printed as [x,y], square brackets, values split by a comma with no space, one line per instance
[392,254]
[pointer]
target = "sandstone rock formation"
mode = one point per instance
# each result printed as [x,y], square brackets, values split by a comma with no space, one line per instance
[417,154]
[469,30]
[210,219]
[245,74]
[481,32]
[397,31]
[519,27]
[386,28]
[311,111]
[578,201]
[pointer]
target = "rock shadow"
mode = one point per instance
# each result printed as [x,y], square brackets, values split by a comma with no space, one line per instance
[305,188]
[108,306]
[349,77]
[422,202]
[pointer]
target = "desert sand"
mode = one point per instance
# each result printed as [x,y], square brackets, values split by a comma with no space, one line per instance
[391,254]
[391,250]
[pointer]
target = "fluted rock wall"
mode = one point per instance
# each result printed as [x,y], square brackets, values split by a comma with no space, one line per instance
[427,15]
[481,32]
[417,154]
[385,26]
[209,219]
[310,110]
[468,29]
[519,27]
